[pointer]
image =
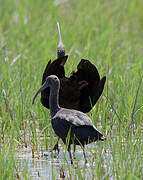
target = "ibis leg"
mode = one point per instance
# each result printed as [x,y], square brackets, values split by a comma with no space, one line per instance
[69,150]
[74,148]
[84,154]
[56,147]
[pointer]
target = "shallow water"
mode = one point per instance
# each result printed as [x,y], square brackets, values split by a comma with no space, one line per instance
[50,165]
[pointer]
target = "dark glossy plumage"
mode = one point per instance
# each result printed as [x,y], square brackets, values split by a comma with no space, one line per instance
[68,121]
[81,126]
[81,90]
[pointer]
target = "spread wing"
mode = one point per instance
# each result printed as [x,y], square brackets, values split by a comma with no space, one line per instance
[56,68]
[81,91]
[90,93]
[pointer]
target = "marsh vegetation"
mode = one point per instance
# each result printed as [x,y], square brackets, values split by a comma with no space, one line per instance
[110,35]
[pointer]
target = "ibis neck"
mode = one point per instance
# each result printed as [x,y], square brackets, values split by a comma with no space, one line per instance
[54,101]
[60,50]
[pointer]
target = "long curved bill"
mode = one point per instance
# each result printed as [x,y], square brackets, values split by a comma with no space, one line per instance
[44,86]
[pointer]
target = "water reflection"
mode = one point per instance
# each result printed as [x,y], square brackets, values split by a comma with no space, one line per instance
[49,165]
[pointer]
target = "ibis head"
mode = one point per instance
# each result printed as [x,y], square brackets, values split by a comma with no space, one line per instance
[51,81]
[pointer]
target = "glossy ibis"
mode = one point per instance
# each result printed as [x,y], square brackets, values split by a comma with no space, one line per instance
[81,90]
[70,122]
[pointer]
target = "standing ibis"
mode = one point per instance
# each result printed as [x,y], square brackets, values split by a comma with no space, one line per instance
[69,124]
[81,90]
